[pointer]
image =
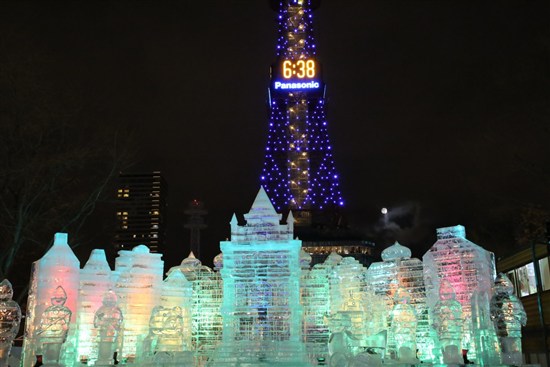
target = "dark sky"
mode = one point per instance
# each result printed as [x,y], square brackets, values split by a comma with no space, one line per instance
[437,110]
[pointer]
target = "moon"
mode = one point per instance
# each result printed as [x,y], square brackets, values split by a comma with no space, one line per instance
[384,211]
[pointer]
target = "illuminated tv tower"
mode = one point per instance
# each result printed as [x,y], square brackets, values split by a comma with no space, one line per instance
[299,172]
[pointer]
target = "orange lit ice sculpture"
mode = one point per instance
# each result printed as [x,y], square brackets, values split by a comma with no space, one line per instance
[509,316]
[53,328]
[403,327]
[107,322]
[138,288]
[10,317]
[447,321]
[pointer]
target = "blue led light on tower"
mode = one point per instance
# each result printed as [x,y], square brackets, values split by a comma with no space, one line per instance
[299,172]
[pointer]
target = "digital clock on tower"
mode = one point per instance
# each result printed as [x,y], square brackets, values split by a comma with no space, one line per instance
[301,69]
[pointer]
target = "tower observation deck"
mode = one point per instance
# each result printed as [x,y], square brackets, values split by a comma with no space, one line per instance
[299,172]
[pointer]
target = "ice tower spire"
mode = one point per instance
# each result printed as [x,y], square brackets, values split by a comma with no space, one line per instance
[299,172]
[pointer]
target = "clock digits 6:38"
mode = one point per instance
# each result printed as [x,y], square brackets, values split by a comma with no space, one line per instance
[299,69]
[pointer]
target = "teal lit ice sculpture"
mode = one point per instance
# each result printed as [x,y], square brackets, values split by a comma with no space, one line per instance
[468,267]
[204,311]
[448,320]
[509,316]
[262,314]
[10,317]
[107,322]
[486,342]
[95,282]
[403,327]
[315,299]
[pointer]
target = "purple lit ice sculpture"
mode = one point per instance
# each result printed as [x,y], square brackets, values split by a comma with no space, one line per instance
[10,317]
[447,321]
[54,326]
[509,316]
[107,320]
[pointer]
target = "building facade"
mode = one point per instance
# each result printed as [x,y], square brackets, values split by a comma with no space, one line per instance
[141,211]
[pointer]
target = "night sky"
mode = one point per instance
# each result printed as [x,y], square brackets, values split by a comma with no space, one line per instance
[437,110]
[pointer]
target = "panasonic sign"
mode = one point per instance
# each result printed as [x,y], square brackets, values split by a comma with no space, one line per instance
[288,85]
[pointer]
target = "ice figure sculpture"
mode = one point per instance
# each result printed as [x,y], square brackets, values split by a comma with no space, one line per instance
[467,266]
[262,315]
[508,316]
[403,327]
[376,322]
[206,320]
[53,328]
[483,329]
[138,289]
[58,267]
[10,317]
[448,322]
[95,281]
[399,271]
[107,321]
[315,298]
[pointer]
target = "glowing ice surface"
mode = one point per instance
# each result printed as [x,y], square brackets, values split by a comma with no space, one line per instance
[10,317]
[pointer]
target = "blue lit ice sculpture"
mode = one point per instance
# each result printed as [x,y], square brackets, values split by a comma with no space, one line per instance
[447,320]
[107,321]
[10,317]
[509,316]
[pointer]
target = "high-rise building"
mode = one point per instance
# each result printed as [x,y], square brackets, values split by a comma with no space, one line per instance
[299,173]
[141,211]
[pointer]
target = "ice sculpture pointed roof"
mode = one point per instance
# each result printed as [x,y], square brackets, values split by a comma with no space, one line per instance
[218,261]
[191,261]
[262,208]
[333,259]
[97,262]
[396,251]
[6,290]
[263,223]
[60,253]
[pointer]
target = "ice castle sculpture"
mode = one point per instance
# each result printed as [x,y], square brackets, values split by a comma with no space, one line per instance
[399,271]
[262,314]
[271,309]
[206,298]
[10,317]
[509,316]
[468,267]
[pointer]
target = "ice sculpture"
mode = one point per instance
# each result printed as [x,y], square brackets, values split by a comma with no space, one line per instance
[376,322]
[399,271]
[468,268]
[509,316]
[448,322]
[403,327]
[342,346]
[107,321]
[138,289]
[206,320]
[262,315]
[95,281]
[315,298]
[10,317]
[53,327]
[59,267]
[484,335]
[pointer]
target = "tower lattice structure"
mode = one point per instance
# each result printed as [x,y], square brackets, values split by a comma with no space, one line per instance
[299,172]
